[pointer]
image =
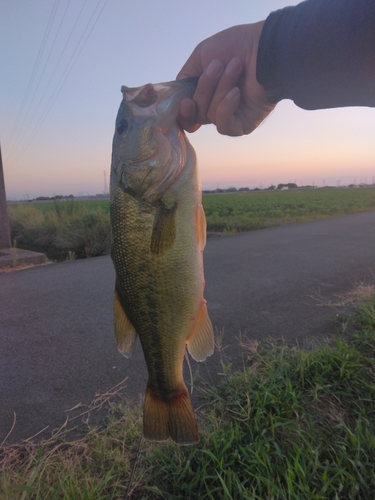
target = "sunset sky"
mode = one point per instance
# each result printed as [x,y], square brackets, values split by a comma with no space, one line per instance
[62,63]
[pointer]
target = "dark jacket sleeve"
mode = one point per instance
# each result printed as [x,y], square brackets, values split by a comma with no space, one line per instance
[320,54]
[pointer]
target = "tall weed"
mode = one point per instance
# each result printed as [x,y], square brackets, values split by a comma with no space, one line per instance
[70,227]
[86,234]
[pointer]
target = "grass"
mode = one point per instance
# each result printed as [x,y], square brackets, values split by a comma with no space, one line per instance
[62,230]
[291,425]
[248,211]
[70,229]
[91,205]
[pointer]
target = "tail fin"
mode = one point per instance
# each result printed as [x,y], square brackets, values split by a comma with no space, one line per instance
[172,418]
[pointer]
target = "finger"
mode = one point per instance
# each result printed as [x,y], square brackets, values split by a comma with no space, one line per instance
[186,116]
[206,89]
[227,122]
[227,81]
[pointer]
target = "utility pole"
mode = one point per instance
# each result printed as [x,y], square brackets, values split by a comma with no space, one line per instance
[5,241]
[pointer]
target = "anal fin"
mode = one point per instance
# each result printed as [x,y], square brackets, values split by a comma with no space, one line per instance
[125,333]
[201,343]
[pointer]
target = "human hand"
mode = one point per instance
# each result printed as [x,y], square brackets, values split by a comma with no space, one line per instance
[228,93]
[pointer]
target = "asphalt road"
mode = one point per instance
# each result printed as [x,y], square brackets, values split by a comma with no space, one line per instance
[56,338]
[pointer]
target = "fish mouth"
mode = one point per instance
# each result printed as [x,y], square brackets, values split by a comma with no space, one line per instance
[181,88]
[164,98]
[172,93]
[176,88]
[170,96]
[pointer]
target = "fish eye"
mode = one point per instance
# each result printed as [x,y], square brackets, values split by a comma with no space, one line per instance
[122,127]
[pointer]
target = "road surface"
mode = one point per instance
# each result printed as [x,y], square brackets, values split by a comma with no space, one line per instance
[57,347]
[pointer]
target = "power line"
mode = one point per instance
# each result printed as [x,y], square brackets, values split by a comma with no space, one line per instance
[35,68]
[21,135]
[67,70]
[42,72]
[66,44]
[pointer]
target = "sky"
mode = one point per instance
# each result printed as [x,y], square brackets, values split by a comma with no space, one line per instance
[62,64]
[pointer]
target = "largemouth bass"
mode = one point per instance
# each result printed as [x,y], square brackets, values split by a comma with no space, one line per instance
[158,236]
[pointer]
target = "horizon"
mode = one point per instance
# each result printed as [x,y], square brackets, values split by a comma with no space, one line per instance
[236,189]
[60,92]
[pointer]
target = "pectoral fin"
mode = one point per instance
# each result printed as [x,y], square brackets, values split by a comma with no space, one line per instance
[200,344]
[125,333]
[164,230]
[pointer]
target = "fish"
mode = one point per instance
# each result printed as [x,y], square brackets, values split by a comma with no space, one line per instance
[158,234]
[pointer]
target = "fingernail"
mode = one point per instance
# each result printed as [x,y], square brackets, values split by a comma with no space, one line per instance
[232,93]
[234,66]
[214,69]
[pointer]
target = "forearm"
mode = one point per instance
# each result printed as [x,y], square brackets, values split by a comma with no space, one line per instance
[320,54]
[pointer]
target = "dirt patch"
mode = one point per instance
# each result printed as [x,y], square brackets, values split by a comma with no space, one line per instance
[361,293]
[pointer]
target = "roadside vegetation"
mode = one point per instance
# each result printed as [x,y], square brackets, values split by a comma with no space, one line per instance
[70,229]
[290,425]
[61,229]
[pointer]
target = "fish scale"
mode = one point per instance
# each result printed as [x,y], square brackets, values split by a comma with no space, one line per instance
[158,236]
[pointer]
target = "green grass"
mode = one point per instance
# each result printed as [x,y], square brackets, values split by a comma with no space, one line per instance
[62,230]
[244,212]
[291,425]
[80,229]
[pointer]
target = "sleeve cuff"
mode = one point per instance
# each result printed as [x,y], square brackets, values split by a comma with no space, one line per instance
[267,70]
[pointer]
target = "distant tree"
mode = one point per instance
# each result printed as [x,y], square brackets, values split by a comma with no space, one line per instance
[290,185]
[271,188]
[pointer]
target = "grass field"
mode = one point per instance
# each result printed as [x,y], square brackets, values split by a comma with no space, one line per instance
[70,229]
[291,425]
[243,212]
